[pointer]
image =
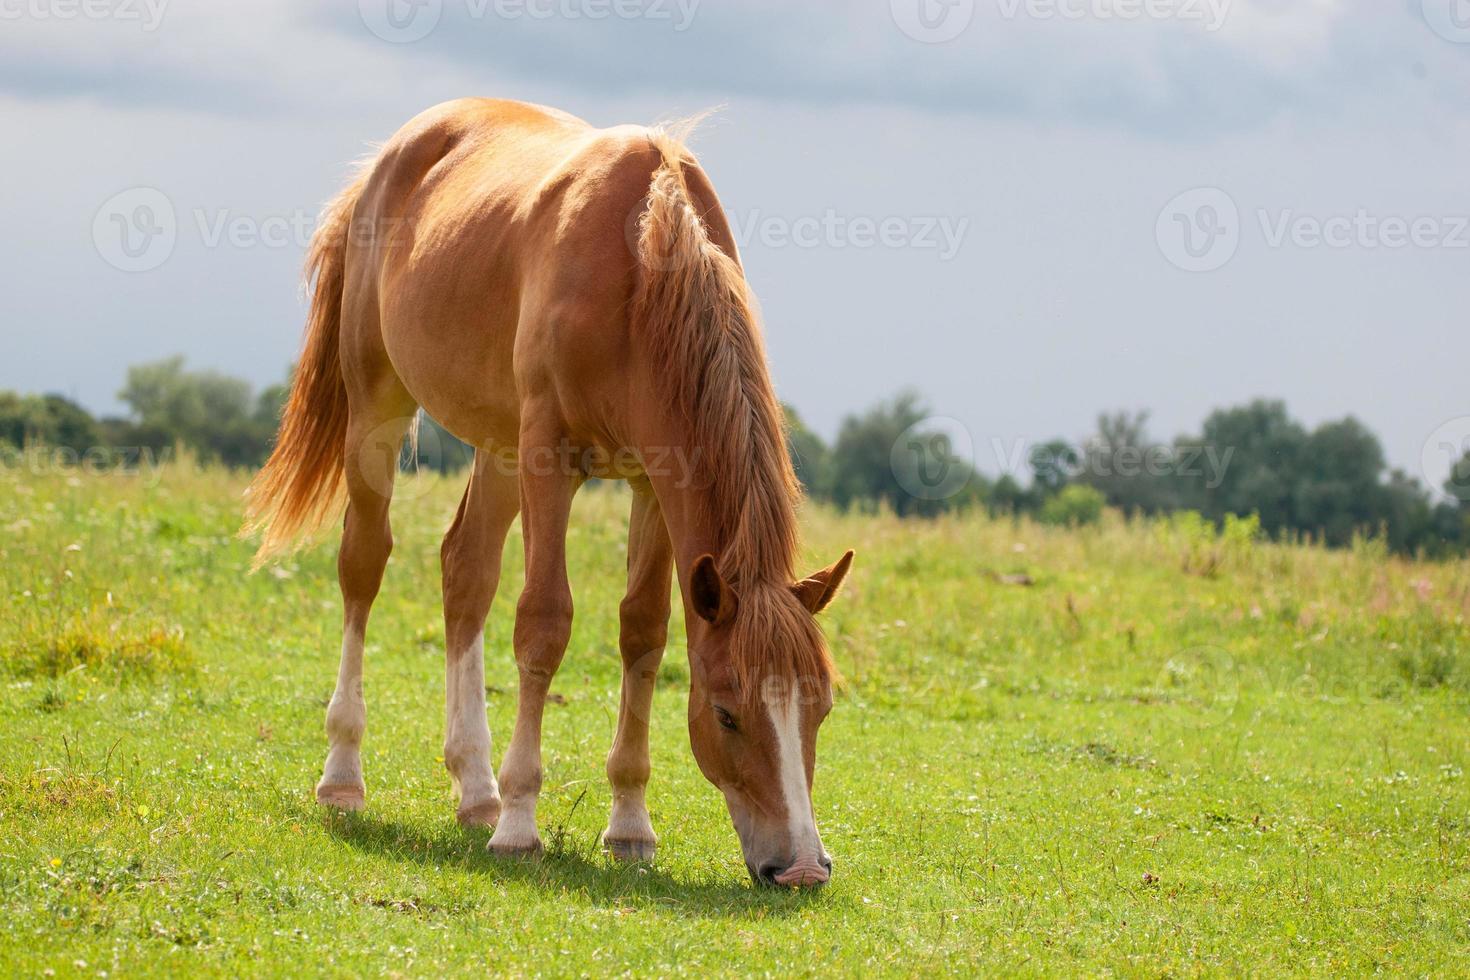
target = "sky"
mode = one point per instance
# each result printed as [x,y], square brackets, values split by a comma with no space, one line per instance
[1029,211]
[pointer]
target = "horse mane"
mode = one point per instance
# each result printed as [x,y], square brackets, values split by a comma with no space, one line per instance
[701,319]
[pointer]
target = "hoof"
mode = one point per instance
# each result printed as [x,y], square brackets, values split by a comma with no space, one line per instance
[341,797]
[483,814]
[516,849]
[629,851]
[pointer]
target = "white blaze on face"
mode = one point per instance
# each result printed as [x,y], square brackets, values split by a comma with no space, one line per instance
[805,844]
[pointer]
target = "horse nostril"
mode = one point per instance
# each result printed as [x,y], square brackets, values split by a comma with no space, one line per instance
[827,865]
[769,872]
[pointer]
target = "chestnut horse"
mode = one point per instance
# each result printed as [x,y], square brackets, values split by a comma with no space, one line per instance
[569,301]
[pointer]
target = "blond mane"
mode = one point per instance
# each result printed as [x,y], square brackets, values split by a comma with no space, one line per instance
[702,320]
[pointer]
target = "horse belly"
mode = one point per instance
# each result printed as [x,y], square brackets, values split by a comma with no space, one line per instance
[450,334]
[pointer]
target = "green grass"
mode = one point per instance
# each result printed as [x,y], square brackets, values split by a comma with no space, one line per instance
[1142,762]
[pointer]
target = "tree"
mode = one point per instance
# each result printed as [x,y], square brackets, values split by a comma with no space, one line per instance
[1339,487]
[1458,484]
[809,454]
[213,414]
[1134,474]
[888,454]
[1263,447]
[1009,497]
[49,420]
[1053,464]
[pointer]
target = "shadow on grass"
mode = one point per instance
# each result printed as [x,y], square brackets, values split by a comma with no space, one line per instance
[565,868]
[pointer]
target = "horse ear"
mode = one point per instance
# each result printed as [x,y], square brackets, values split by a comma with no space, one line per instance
[709,593]
[818,590]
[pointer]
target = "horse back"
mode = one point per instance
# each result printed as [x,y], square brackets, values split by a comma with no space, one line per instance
[492,260]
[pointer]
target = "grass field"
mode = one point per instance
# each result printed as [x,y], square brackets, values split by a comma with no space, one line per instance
[1163,755]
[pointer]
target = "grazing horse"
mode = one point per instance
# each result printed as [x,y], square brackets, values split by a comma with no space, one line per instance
[569,301]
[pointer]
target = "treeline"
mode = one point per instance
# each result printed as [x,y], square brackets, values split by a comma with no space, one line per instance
[1328,484]
[218,418]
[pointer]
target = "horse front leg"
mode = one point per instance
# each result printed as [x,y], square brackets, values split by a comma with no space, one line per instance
[644,630]
[542,630]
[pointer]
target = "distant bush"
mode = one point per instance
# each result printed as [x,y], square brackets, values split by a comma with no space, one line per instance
[49,420]
[1205,548]
[1075,505]
[216,416]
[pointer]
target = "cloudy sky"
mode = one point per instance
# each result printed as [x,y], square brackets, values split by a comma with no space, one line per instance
[1031,211]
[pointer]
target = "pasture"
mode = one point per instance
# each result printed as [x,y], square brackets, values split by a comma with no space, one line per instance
[1132,748]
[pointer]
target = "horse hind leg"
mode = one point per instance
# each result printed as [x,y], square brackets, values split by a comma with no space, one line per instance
[471,557]
[374,440]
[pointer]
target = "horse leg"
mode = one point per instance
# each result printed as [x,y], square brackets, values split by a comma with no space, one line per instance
[470,559]
[542,630]
[644,616]
[373,442]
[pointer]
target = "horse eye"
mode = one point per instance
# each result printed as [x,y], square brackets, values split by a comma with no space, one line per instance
[727,720]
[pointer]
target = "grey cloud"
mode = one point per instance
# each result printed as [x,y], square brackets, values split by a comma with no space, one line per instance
[1165,78]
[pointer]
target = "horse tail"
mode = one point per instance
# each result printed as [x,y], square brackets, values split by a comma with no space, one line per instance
[300,486]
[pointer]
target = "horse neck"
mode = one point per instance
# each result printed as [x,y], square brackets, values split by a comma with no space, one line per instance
[694,490]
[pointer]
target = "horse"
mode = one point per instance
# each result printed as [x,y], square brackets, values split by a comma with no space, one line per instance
[569,301]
